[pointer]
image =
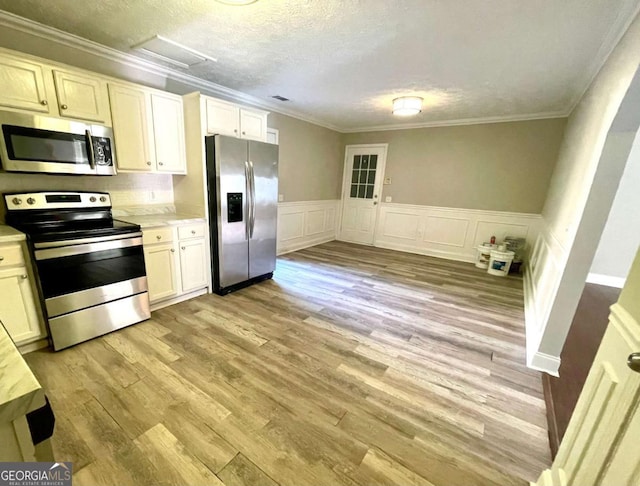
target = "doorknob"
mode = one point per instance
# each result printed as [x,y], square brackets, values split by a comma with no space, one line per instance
[633,362]
[375,202]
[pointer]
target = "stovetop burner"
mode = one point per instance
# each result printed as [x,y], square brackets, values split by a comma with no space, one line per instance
[58,216]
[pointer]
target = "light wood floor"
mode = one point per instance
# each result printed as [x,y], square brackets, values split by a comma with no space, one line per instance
[354,366]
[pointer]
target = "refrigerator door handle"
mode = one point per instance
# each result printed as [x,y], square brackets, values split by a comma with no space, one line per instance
[253,199]
[249,205]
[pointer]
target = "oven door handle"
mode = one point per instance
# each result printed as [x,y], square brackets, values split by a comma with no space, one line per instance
[95,239]
[66,251]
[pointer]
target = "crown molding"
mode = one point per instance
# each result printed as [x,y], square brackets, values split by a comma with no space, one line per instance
[461,121]
[52,34]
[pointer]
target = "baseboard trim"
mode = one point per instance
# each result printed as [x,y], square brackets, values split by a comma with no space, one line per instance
[176,300]
[306,242]
[447,255]
[545,363]
[606,280]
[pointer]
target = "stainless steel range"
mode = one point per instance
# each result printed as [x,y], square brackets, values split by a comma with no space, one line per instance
[90,266]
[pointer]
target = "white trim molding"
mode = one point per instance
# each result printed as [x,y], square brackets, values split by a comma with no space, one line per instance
[606,280]
[449,233]
[302,224]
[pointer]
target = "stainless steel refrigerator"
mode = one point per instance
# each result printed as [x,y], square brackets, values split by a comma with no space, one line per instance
[242,180]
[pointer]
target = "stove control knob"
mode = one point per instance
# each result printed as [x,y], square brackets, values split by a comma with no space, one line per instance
[31,201]
[17,201]
[103,199]
[92,199]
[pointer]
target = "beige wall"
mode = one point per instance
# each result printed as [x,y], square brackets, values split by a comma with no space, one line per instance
[497,166]
[311,160]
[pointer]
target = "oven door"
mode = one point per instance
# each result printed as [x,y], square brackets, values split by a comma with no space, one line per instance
[31,143]
[79,274]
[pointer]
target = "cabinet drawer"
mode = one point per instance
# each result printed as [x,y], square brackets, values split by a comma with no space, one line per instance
[157,235]
[11,255]
[191,231]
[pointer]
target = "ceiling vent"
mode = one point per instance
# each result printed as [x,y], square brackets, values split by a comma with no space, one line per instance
[280,98]
[172,52]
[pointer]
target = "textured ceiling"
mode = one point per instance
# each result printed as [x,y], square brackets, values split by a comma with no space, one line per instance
[343,62]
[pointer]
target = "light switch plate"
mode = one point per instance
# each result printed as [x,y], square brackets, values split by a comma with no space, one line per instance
[387,199]
[280,197]
[387,181]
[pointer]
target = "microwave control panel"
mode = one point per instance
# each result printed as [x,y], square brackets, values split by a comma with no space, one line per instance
[102,151]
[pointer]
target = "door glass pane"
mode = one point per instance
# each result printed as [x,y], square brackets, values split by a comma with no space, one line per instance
[354,190]
[369,192]
[371,177]
[373,161]
[363,176]
[361,191]
[356,162]
[365,162]
[354,176]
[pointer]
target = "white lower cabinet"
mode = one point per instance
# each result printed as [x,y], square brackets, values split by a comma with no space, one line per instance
[176,261]
[162,276]
[18,311]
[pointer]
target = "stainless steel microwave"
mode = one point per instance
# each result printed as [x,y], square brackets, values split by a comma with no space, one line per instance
[34,143]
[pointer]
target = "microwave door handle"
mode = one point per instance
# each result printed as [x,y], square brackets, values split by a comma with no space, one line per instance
[90,152]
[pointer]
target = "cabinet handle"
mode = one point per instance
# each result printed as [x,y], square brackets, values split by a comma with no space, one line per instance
[44,103]
[160,163]
[235,130]
[1,258]
[244,133]
[158,237]
[173,250]
[64,107]
[148,163]
[193,232]
[183,248]
[23,277]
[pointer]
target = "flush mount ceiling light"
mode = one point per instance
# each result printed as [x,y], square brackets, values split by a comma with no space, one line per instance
[236,2]
[407,105]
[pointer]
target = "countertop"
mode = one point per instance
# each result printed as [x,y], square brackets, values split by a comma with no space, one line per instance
[9,234]
[165,219]
[20,391]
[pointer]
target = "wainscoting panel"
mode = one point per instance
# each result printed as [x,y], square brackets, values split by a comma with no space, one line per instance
[302,224]
[448,232]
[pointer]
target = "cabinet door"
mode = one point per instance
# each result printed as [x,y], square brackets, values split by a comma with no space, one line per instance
[81,96]
[193,265]
[168,130]
[131,128]
[17,306]
[22,85]
[222,118]
[160,261]
[253,125]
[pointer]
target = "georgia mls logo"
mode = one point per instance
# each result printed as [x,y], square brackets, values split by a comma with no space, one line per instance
[35,474]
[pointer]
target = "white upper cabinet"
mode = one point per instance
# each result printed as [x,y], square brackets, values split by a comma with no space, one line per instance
[228,119]
[223,118]
[148,128]
[82,97]
[168,130]
[22,85]
[253,125]
[131,128]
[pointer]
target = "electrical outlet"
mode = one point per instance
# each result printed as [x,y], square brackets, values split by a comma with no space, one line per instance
[153,195]
[387,181]
[387,199]
[280,197]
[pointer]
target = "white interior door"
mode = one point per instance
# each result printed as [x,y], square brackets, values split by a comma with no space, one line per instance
[600,447]
[361,191]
